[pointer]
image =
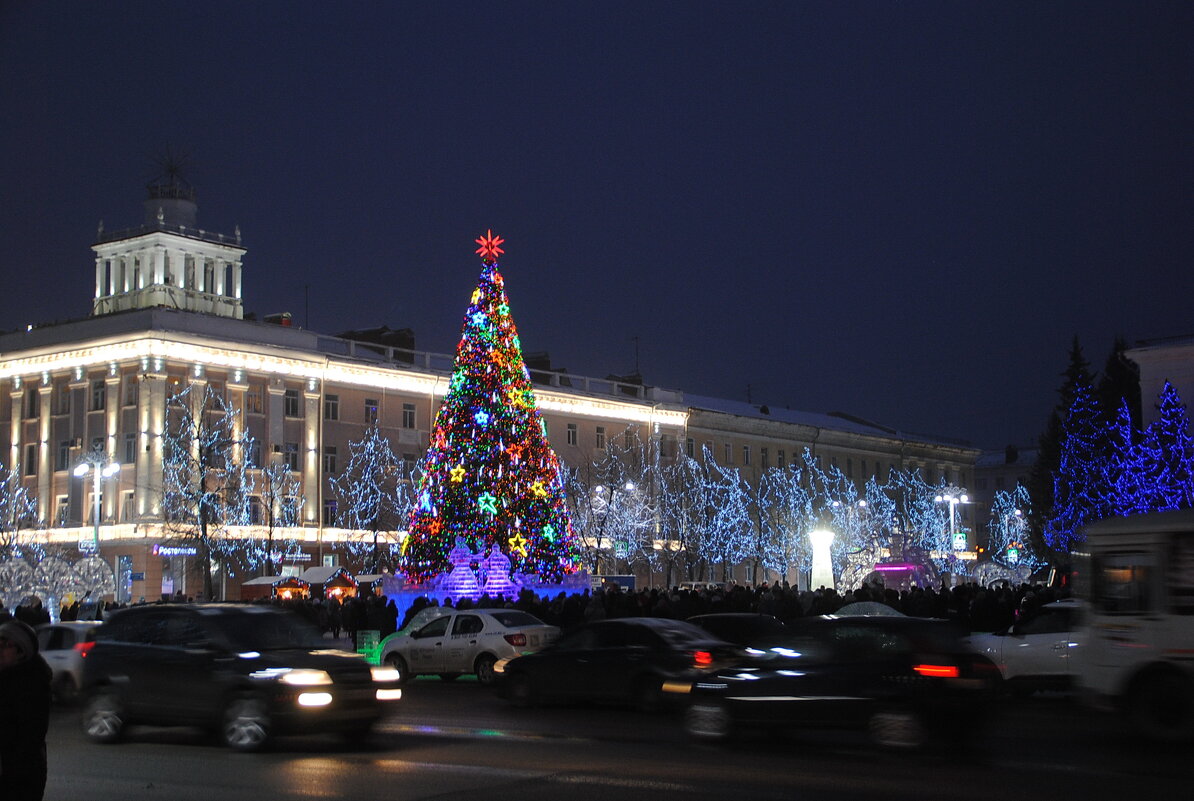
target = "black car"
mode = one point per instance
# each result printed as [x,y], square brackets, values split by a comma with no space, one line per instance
[637,661]
[250,672]
[740,628]
[903,680]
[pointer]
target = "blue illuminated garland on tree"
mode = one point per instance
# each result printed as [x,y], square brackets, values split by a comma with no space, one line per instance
[1080,495]
[489,475]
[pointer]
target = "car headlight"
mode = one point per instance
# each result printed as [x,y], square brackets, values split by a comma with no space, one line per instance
[306,677]
[384,673]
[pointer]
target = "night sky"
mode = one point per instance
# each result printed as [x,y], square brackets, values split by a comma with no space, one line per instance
[900,210]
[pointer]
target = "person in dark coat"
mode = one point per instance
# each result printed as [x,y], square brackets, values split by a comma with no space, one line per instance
[24,713]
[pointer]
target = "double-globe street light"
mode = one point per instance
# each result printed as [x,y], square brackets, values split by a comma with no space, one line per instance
[100,467]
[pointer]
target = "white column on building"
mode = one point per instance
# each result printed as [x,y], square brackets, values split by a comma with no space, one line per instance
[151,418]
[112,426]
[221,269]
[99,276]
[113,275]
[200,272]
[159,265]
[17,395]
[311,444]
[45,466]
[236,279]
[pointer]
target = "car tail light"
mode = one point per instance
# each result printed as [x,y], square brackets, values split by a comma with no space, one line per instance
[515,639]
[84,648]
[937,671]
[702,659]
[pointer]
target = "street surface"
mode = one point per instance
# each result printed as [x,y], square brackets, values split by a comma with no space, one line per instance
[457,740]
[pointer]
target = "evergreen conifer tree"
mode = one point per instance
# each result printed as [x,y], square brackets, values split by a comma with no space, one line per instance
[489,475]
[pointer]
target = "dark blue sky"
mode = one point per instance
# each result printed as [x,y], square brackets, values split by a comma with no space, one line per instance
[903,210]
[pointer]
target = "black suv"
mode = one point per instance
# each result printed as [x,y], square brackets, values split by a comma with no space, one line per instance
[250,672]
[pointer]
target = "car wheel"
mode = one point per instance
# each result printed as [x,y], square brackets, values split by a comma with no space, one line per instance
[522,692]
[246,724]
[103,718]
[399,664]
[707,720]
[1161,707]
[484,668]
[898,728]
[449,676]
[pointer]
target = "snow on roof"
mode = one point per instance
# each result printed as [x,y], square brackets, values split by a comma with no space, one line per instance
[837,421]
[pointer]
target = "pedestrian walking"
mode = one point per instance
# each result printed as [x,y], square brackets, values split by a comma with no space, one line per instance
[24,713]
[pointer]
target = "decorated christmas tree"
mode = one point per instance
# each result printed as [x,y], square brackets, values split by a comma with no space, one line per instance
[490,481]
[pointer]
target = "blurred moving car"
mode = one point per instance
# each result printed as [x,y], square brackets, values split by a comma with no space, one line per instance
[250,672]
[1039,652]
[64,645]
[902,680]
[453,642]
[637,660]
[740,628]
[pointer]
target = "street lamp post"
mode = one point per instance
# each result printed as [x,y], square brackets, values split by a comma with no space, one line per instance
[953,496]
[100,467]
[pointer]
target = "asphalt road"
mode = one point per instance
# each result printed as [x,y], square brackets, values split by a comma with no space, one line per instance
[457,741]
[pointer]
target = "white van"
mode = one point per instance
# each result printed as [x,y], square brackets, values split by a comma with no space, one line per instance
[1138,650]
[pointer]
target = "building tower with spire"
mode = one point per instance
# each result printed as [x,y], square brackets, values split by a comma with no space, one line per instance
[169,260]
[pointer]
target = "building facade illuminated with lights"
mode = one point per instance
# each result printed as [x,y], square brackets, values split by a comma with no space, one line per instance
[167,311]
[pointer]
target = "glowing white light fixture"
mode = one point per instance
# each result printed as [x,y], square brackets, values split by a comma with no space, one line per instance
[822,574]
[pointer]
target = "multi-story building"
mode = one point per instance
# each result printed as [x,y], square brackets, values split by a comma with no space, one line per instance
[167,312]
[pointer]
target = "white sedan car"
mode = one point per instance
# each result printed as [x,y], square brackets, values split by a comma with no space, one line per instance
[465,641]
[1038,653]
[63,646]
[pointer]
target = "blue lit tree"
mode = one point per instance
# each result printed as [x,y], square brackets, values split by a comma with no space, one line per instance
[726,541]
[1079,493]
[1167,445]
[789,508]
[18,510]
[373,499]
[280,513]
[1007,529]
[683,513]
[1127,469]
[206,487]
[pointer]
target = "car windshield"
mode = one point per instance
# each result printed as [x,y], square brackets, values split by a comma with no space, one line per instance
[513,619]
[266,632]
[678,633]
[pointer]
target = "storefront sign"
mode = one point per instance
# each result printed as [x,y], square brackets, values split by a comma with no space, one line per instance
[174,550]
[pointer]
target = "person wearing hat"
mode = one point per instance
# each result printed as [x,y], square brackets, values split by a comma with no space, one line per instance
[24,713]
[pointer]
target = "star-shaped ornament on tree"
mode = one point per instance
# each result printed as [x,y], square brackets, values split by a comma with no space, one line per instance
[490,247]
[518,544]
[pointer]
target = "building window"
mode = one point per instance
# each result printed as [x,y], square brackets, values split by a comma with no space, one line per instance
[1000,482]
[97,444]
[253,454]
[410,461]
[99,394]
[600,436]
[32,403]
[255,511]
[764,458]
[779,458]
[253,401]
[290,403]
[862,468]
[128,511]
[130,390]
[130,448]
[370,410]
[63,403]
[690,447]
[728,449]
[571,433]
[62,511]
[331,407]
[329,459]
[849,468]
[329,512]
[745,454]
[290,455]
[63,460]
[408,415]
[628,439]
[31,459]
